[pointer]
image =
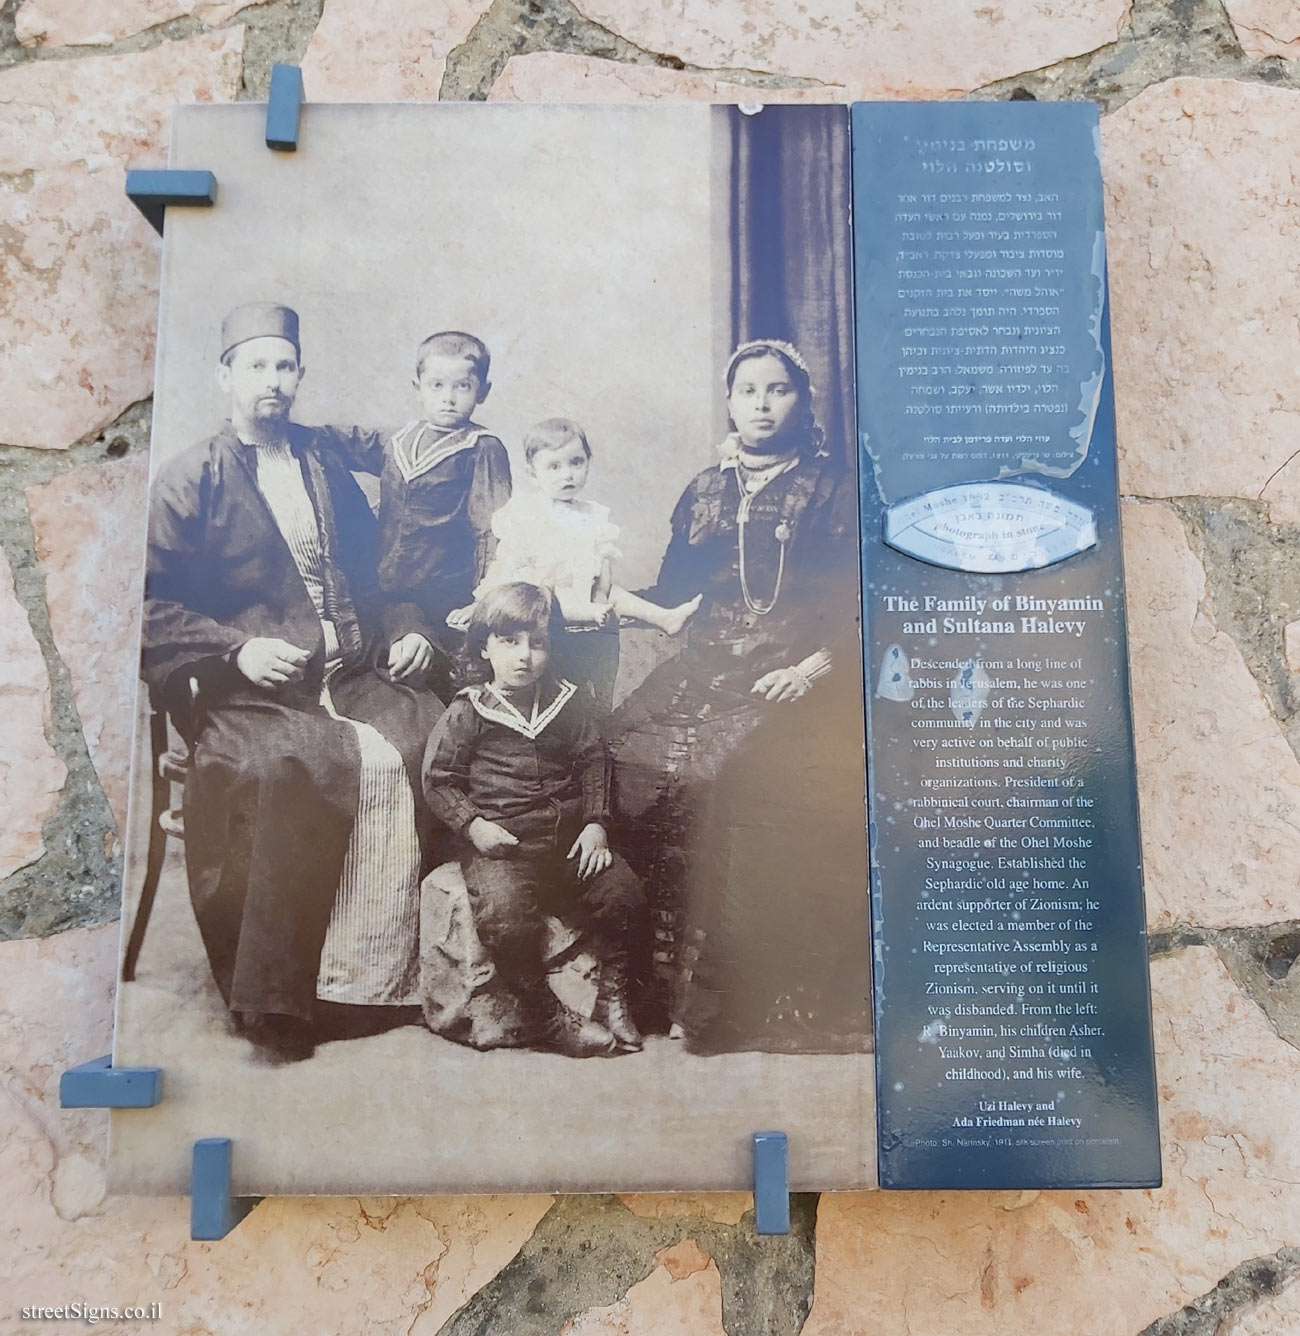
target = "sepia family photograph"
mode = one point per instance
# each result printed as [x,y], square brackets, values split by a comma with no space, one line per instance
[498,805]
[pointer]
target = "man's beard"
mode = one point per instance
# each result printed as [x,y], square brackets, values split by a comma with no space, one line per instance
[272,413]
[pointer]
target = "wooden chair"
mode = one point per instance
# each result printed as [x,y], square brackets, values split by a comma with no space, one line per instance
[170,767]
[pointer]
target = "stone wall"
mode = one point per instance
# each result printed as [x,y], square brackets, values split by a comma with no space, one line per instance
[1202,116]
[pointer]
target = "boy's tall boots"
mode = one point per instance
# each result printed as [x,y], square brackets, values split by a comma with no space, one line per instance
[611,1009]
[562,1029]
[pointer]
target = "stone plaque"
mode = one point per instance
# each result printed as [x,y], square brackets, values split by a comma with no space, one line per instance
[1011,992]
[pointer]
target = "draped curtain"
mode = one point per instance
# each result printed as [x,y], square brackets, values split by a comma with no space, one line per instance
[792,275]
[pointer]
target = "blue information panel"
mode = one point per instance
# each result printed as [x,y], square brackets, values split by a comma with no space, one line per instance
[1011,991]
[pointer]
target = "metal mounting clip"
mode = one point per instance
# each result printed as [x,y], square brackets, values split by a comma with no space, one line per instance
[151,191]
[283,108]
[771,1183]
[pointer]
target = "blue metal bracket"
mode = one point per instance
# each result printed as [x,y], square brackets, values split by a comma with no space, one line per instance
[771,1183]
[151,191]
[213,1211]
[99,1085]
[283,107]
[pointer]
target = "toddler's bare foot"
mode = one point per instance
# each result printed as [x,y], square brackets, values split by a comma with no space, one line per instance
[675,618]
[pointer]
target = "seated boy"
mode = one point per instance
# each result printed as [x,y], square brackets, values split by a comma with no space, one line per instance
[519,769]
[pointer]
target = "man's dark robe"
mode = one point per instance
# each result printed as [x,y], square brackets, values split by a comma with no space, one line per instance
[272,791]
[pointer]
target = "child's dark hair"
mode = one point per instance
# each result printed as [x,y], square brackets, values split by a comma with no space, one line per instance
[455,343]
[554,434]
[505,610]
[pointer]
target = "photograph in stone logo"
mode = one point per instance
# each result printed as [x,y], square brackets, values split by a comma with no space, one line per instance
[496,818]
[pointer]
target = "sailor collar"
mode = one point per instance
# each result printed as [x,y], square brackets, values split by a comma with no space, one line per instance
[418,449]
[491,705]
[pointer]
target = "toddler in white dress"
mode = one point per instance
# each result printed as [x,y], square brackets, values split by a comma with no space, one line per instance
[563,542]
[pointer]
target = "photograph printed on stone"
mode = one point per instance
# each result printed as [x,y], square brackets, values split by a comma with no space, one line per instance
[498,804]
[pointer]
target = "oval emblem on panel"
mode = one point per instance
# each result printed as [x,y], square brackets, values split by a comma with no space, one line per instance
[990,527]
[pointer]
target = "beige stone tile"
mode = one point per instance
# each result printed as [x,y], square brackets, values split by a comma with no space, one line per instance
[55,1012]
[1276,1316]
[31,775]
[89,527]
[1203,230]
[682,1296]
[992,1264]
[937,48]
[102,22]
[1219,786]
[1291,646]
[1266,27]
[385,50]
[557,76]
[378,1265]
[722,1208]
[78,264]
[294,1265]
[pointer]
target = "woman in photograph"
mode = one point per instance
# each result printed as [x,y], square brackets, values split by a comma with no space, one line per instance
[738,763]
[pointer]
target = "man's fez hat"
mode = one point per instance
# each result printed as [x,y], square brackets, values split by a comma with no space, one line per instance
[259,320]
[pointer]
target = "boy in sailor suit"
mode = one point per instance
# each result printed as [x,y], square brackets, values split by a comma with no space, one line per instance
[442,477]
[519,770]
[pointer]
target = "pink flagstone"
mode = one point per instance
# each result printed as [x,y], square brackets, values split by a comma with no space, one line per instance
[1203,220]
[558,76]
[31,775]
[682,1296]
[993,1264]
[935,48]
[377,1265]
[102,22]
[1274,1316]
[89,528]
[385,50]
[56,1011]
[1266,27]
[1219,786]
[78,264]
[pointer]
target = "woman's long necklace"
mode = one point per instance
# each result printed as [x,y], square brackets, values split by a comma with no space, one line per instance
[783,536]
